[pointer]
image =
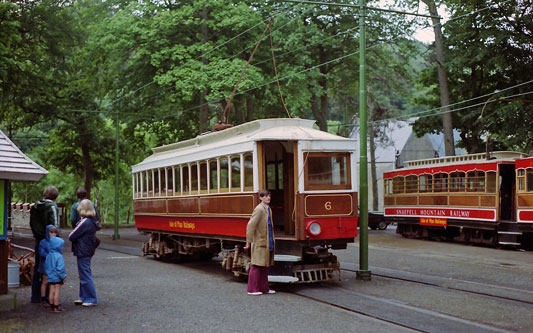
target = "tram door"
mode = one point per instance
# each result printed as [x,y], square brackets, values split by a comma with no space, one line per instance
[507,190]
[278,173]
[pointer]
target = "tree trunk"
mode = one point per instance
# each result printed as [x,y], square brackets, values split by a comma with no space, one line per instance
[249,108]
[373,171]
[447,124]
[320,119]
[204,108]
[87,167]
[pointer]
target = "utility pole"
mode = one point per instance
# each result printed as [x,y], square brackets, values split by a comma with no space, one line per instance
[363,273]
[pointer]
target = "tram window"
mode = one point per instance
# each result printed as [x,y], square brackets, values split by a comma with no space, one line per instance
[457,182]
[194,178]
[388,186]
[213,176]
[185,178]
[203,177]
[170,182]
[529,179]
[476,181]
[441,182]
[398,185]
[163,182]
[521,177]
[177,180]
[425,183]
[411,184]
[156,182]
[248,172]
[224,174]
[235,174]
[327,171]
[491,182]
[149,184]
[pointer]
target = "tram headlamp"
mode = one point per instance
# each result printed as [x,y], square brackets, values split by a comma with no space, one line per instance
[314,228]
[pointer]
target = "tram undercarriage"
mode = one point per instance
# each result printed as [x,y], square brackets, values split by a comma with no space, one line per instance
[503,234]
[314,264]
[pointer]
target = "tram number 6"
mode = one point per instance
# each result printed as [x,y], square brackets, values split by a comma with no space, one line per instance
[327,205]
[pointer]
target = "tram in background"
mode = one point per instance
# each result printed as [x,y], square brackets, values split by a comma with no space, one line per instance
[477,198]
[195,197]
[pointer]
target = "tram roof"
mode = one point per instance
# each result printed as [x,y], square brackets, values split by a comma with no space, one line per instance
[238,139]
[449,164]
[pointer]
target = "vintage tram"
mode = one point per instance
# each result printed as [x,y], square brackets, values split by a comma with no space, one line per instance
[477,198]
[194,198]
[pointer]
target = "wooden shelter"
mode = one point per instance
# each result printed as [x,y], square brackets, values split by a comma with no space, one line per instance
[14,166]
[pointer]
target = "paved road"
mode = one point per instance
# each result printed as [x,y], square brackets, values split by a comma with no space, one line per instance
[429,286]
[140,294]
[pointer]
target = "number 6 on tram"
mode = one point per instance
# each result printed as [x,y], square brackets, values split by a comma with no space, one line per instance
[194,198]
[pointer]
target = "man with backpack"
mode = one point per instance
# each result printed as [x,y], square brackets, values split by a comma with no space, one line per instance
[42,213]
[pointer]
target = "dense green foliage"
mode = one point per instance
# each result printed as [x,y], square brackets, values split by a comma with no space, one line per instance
[69,70]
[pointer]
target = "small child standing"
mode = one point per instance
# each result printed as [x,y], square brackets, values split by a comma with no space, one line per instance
[44,249]
[55,271]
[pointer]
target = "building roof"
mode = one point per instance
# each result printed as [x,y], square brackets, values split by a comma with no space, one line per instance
[14,165]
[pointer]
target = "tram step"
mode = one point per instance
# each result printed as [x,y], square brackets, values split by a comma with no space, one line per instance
[509,243]
[509,233]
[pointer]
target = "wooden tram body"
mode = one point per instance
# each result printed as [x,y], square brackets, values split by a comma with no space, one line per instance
[195,197]
[468,198]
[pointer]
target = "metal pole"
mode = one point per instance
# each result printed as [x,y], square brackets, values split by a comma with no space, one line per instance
[363,273]
[116,234]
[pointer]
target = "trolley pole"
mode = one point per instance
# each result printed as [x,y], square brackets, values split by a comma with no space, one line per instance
[116,234]
[363,273]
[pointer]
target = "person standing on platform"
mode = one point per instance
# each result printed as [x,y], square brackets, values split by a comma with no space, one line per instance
[260,236]
[75,218]
[42,213]
[55,270]
[44,249]
[83,239]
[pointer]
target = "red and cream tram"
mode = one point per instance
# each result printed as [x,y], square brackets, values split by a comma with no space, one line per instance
[470,198]
[195,197]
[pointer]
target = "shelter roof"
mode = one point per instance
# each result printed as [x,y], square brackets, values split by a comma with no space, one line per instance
[15,165]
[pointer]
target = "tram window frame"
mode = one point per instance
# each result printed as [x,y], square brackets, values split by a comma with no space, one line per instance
[186,184]
[235,174]
[398,185]
[411,184]
[490,181]
[475,181]
[529,179]
[170,181]
[223,171]
[440,182]
[457,181]
[157,182]
[213,176]
[177,180]
[203,177]
[149,183]
[425,183]
[142,183]
[194,178]
[387,186]
[248,167]
[337,164]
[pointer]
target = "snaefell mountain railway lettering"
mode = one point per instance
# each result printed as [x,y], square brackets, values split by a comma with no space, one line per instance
[433,212]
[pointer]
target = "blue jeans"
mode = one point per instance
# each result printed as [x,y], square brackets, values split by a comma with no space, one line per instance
[87,289]
[37,277]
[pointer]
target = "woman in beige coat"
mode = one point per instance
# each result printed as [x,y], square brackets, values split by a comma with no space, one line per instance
[260,234]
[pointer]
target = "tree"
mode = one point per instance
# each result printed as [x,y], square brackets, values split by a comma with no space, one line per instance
[489,47]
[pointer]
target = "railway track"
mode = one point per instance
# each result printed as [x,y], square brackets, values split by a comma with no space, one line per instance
[472,287]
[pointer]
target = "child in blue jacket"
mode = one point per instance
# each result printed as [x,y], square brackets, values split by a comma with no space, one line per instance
[55,271]
[44,249]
